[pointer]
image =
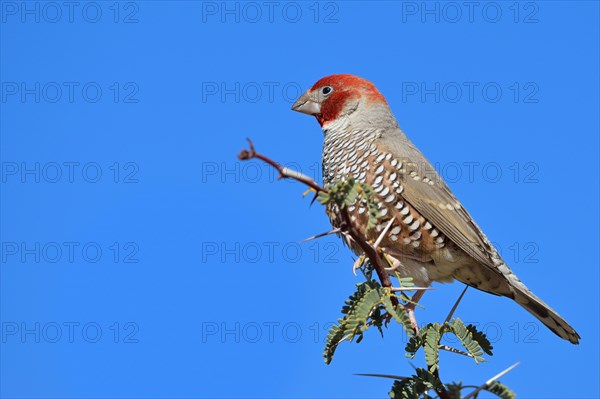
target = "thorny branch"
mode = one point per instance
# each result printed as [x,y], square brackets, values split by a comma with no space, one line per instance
[346,227]
[284,173]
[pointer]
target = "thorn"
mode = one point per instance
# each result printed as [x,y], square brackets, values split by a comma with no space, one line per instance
[312,201]
[395,377]
[347,236]
[334,231]
[489,382]
[456,305]
[383,233]
[400,289]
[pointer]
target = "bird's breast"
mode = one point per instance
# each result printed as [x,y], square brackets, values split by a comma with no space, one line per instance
[357,154]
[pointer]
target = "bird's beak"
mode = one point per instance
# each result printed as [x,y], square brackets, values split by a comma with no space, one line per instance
[307,105]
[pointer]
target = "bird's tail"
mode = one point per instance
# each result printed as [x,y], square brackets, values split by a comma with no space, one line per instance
[545,314]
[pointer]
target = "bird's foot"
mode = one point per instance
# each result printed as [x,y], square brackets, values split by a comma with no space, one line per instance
[394,263]
[358,263]
[410,310]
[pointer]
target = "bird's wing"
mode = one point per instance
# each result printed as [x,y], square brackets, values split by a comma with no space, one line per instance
[433,199]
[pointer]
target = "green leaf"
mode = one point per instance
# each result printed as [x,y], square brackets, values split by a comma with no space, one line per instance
[397,311]
[368,269]
[466,338]
[404,389]
[432,347]
[481,339]
[356,320]
[351,196]
[370,202]
[336,333]
[428,379]
[501,390]
[377,319]
[454,389]
[346,191]
[415,386]
[323,198]
[357,310]
[416,342]
[409,388]
[406,282]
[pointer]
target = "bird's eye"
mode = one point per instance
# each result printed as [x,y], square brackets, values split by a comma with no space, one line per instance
[326,90]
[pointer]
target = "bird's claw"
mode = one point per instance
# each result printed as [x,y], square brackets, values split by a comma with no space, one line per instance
[358,263]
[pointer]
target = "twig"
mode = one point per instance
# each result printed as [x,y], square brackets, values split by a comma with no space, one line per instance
[440,390]
[286,173]
[454,350]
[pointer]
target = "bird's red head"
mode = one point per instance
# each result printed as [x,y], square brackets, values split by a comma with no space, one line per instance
[337,95]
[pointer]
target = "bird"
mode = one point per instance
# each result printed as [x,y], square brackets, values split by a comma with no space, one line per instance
[427,230]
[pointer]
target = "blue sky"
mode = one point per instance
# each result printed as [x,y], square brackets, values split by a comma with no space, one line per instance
[140,258]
